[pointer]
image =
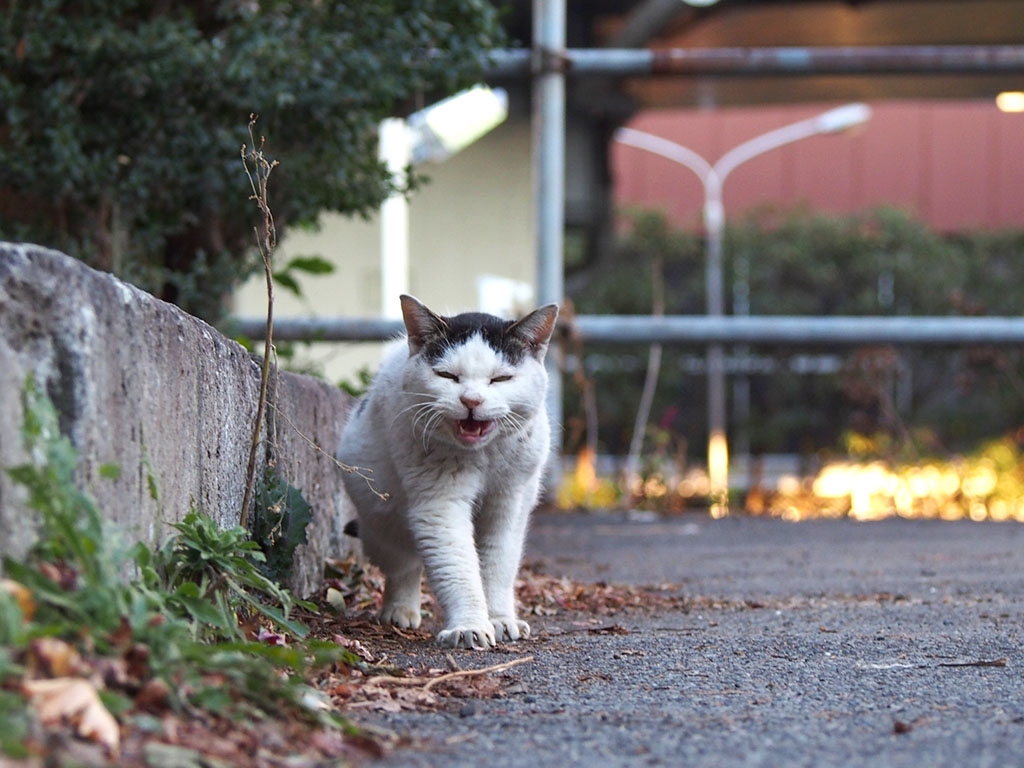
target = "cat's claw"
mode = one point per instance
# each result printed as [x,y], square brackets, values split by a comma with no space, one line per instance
[478,638]
[400,616]
[509,628]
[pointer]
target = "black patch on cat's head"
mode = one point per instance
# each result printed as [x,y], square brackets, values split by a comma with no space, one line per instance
[461,328]
[434,335]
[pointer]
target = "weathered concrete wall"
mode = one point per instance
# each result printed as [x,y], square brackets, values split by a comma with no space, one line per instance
[132,376]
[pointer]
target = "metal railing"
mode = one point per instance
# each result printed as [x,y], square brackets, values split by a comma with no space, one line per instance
[778,61]
[690,329]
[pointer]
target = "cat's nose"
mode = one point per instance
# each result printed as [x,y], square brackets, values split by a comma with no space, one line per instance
[471,400]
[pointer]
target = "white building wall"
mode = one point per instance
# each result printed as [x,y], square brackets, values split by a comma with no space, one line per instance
[473,218]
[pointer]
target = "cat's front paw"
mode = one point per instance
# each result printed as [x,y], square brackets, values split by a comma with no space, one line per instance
[478,637]
[509,628]
[401,616]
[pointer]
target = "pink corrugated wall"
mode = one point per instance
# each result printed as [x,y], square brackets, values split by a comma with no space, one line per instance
[958,165]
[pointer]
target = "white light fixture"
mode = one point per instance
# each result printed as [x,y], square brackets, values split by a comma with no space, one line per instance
[1010,101]
[442,129]
[700,3]
[843,118]
[712,177]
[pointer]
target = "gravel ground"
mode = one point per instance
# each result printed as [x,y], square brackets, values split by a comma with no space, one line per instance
[834,643]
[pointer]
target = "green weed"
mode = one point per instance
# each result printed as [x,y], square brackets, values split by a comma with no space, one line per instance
[196,616]
[282,515]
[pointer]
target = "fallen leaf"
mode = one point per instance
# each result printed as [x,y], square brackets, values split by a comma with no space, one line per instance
[154,696]
[546,595]
[75,700]
[355,646]
[271,638]
[336,599]
[61,574]
[137,661]
[21,596]
[56,657]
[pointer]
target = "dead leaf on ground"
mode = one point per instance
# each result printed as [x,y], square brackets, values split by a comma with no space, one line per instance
[56,657]
[22,596]
[548,595]
[380,698]
[356,647]
[270,637]
[76,701]
[154,696]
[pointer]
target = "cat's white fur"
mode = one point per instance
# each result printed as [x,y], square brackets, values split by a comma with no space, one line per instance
[457,506]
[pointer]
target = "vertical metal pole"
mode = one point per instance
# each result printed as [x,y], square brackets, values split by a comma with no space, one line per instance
[741,381]
[718,448]
[549,181]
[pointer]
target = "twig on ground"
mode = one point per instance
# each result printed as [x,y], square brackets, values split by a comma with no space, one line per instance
[609,629]
[429,682]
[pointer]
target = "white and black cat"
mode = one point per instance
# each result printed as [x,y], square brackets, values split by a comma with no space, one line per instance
[455,431]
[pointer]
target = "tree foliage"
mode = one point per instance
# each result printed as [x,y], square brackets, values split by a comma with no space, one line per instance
[122,120]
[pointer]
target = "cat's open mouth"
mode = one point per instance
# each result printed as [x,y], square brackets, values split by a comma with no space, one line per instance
[471,430]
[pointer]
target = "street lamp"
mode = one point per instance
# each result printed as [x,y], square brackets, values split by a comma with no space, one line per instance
[712,178]
[432,134]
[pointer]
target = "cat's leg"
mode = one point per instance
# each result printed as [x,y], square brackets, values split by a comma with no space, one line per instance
[401,606]
[393,551]
[501,531]
[444,538]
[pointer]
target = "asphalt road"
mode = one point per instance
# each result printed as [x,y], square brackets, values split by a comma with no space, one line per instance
[834,643]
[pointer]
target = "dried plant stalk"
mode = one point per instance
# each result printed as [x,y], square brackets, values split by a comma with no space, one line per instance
[259,175]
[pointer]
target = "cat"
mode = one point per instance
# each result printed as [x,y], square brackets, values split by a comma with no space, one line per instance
[456,435]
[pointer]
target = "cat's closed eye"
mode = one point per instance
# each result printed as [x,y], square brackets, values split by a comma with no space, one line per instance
[448,375]
[499,379]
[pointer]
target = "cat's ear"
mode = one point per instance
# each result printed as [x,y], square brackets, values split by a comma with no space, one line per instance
[420,323]
[536,328]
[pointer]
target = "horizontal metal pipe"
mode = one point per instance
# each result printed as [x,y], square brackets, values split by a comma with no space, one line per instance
[791,60]
[691,329]
[799,331]
[317,328]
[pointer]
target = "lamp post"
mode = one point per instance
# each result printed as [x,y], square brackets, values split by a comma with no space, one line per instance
[712,179]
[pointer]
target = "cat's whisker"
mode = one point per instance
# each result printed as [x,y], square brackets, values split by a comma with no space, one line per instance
[518,424]
[431,426]
[513,423]
[409,408]
[425,415]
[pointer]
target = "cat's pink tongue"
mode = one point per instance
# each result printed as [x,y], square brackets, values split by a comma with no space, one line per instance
[471,430]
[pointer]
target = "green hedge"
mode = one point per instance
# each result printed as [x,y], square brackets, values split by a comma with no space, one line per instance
[883,262]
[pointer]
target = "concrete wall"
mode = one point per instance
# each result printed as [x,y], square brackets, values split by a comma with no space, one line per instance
[132,376]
